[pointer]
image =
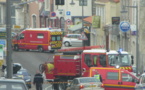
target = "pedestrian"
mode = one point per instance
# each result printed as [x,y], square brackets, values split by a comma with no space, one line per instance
[98,76]
[38,80]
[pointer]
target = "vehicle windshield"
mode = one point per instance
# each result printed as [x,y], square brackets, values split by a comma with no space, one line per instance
[119,59]
[22,72]
[88,80]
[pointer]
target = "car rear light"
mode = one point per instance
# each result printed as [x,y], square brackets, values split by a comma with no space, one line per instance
[81,86]
[102,85]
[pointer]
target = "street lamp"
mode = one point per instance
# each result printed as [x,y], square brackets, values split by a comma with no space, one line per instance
[72,2]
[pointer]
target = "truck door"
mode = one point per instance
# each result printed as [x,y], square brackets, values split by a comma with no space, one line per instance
[112,80]
[128,81]
[21,41]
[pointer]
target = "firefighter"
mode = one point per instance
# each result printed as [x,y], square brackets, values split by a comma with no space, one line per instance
[98,76]
[38,80]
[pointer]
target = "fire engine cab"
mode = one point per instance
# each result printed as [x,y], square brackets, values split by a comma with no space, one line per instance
[68,65]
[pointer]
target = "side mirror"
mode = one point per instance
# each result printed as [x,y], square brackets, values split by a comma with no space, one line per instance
[132,61]
[132,57]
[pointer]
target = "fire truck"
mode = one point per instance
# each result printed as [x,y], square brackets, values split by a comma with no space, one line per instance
[41,39]
[76,62]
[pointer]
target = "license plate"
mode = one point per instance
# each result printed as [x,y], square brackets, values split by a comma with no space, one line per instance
[93,86]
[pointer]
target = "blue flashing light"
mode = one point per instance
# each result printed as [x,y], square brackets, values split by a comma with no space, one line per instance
[120,50]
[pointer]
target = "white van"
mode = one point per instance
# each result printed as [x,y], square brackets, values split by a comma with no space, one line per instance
[72,40]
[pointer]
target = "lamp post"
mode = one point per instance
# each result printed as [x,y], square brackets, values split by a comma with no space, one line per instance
[72,2]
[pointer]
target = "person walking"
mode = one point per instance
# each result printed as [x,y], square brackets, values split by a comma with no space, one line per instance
[38,80]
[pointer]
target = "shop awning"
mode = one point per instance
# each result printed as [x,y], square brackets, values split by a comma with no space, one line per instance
[76,27]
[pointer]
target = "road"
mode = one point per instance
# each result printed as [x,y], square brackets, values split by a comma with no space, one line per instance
[31,61]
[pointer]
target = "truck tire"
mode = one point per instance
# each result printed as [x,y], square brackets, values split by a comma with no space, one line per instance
[16,48]
[52,51]
[67,44]
[40,49]
[62,86]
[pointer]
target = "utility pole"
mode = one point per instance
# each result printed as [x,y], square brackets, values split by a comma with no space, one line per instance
[137,45]
[83,21]
[9,49]
[25,14]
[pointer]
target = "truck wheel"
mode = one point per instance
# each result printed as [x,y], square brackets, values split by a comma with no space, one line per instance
[16,48]
[40,49]
[62,86]
[66,44]
[27,50]
[52,51]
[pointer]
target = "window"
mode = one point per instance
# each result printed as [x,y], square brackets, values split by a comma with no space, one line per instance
[40,36]
[88,59]
[113,75]
[100,11]
[126,77]
[13,11]
[34,21]
[13,21]
[83,2]
[21,36]
[55,38]
[122,59]
[95,60]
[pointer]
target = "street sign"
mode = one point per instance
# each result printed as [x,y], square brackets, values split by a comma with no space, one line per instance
[68,21]
[2,41]
[83,36]
[68,13]
[53,14]
[124,26]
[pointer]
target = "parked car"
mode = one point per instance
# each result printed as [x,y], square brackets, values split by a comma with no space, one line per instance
[12,84]
[72,40]
[23,74]
[85,83]
[14,64]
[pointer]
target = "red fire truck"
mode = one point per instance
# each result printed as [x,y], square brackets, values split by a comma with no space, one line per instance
[41,39]
[68,65]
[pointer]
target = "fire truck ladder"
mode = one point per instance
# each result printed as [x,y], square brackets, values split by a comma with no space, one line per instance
[80,48]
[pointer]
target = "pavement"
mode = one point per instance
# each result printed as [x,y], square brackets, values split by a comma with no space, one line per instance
[45,85]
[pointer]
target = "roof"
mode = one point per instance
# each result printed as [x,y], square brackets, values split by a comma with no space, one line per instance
[104,51]
[11,80]
[43,29]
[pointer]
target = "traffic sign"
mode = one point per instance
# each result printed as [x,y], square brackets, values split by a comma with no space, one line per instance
[68,13]
[53,14]
[2,41]
[124,26]
[83,36]
[68,21]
